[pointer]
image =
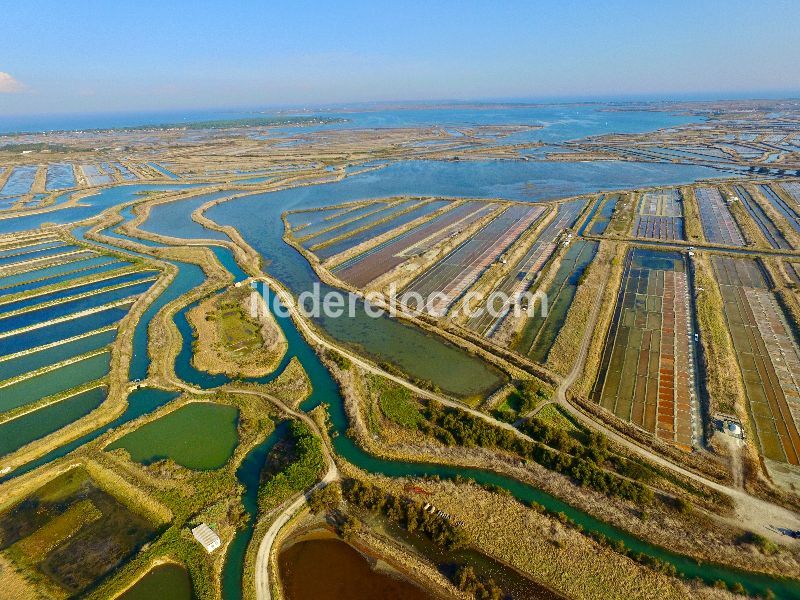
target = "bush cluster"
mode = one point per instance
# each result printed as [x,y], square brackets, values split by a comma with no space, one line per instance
[410,515]
[481,588]
[300,474]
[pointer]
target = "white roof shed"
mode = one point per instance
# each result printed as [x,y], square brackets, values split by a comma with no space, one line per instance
[207,537]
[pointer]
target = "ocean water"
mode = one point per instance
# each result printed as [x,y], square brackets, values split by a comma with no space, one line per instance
[559,121]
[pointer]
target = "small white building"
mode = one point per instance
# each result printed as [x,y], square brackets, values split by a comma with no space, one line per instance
[207,538]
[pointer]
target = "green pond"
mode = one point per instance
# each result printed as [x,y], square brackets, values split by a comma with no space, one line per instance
[200,436]
[23,430]
[168,581]
[541,330]
[53,382]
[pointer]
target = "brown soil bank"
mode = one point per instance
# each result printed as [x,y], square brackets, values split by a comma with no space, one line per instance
[230,340]
[320,569]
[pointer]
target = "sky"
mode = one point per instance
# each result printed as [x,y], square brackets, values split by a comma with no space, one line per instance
[91,56]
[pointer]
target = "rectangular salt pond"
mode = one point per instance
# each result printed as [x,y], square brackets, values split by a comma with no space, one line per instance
[311,217]
[37,316]
[54,382]
[162,170]
[23,430]
[768,356]
[783,207]
[340,216]
[126,173]
[22,250]
[540,332]
[59,176]
[367,219]
[16,259]
[604,214]
[28,363]
[40,264]
[647,372]
[176,435]
[94,176]
[61,331]
[56,273]
[74,563]
[20,181]
[74,291]
[718,223]
[373,232]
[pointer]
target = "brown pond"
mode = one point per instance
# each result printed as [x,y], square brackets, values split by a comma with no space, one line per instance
[320,569]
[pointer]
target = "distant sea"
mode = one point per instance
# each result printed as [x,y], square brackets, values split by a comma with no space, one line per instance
[558,122]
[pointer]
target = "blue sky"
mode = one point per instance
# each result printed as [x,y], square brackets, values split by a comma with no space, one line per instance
[82,56]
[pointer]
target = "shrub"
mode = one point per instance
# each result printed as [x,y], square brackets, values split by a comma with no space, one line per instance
[300,474]
[467,581]
[399,407]
[764,545]
[553,449]
[406,513]
[324,499]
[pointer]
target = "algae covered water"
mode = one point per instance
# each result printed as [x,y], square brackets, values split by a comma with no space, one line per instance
[180,436]
[168,581]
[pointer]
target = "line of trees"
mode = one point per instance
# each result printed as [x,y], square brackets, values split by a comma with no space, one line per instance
[554,449]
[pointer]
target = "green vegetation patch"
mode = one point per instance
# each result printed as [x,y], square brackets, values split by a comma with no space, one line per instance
[522,399]
[70,533]
[585,461]
[292,467]
[399,407]
[57,530]
[200,436]
[168,581]
[240,333]
[554,417]
[409,514]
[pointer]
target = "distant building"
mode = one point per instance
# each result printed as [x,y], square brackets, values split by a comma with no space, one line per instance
[207,538]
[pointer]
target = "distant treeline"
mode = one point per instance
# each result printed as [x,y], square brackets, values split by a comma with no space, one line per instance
[211,124]
[39,147]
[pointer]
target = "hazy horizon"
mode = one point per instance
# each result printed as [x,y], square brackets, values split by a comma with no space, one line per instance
[66,58]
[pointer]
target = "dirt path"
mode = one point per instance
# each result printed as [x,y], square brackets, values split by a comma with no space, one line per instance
[263,590]
[262,571]
[735,447]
